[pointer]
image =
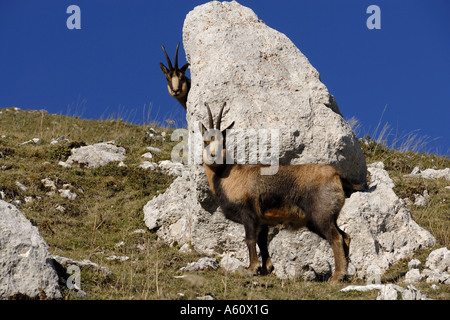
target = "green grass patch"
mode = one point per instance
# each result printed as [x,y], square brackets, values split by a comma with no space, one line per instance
[106,217]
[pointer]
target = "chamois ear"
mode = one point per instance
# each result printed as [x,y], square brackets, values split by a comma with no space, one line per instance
[164,68]
[230,126]
[185,67]
[224,132]
[202,128]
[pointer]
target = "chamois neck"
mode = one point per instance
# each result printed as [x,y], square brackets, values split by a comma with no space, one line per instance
[215,172]
[210,173]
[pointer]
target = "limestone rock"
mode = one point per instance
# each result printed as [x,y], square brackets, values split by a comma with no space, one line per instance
[96,155]
[202,264]
[413,276]
[269,84]
[388,292]
[26,266]
[172,168]
[430,173]
[66,262]
[439,260]
[414,264]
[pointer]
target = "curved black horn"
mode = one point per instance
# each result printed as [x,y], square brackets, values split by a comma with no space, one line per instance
[210,118]
[176,57]
[219,118]
[167,58]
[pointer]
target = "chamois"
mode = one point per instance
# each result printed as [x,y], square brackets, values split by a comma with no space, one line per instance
[310,195]
[177,82]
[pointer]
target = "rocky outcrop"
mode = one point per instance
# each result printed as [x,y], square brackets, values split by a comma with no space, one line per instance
[26,266]
[269,84]
[437,268]
[430,173]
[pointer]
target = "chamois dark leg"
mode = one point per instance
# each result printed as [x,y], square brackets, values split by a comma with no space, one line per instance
[250,239]
[267,265]
[331,232]
[325,225]
[337,242]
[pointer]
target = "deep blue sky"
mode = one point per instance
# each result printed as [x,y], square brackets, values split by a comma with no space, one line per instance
[111,65]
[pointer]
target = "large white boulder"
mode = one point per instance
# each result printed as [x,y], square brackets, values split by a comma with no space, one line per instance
[26,266]
[269,84]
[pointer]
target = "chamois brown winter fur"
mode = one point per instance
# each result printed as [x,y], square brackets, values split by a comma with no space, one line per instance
[309,195]
[177,82]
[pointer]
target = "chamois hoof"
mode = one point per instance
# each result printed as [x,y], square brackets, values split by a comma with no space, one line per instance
[264,271]
[247,272]
[337,277]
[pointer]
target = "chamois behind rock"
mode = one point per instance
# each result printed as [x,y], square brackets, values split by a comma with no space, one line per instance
[177,82]
[310,195]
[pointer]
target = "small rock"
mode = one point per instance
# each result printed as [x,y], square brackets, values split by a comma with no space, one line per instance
[121,164]
[65,193]
[436,277]
[414,264]
[28,199]
[412,293]
[201,264]
[48,184]
[121,258]
[388,292]
[66,262]
[153,149]
[64,165]
[413,276]
[231,264]
[148,165]
[119,244]
[420,200]
[173,168]
[97,155]
[21,186]
[34,140]
[60,208]
[439,260]
[207,297]
[147,155]
[430,173]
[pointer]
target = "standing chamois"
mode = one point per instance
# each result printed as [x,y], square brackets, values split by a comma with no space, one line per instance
[310,195]
[177,82]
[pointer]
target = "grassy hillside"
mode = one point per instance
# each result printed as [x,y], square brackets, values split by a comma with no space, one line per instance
[106,217]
